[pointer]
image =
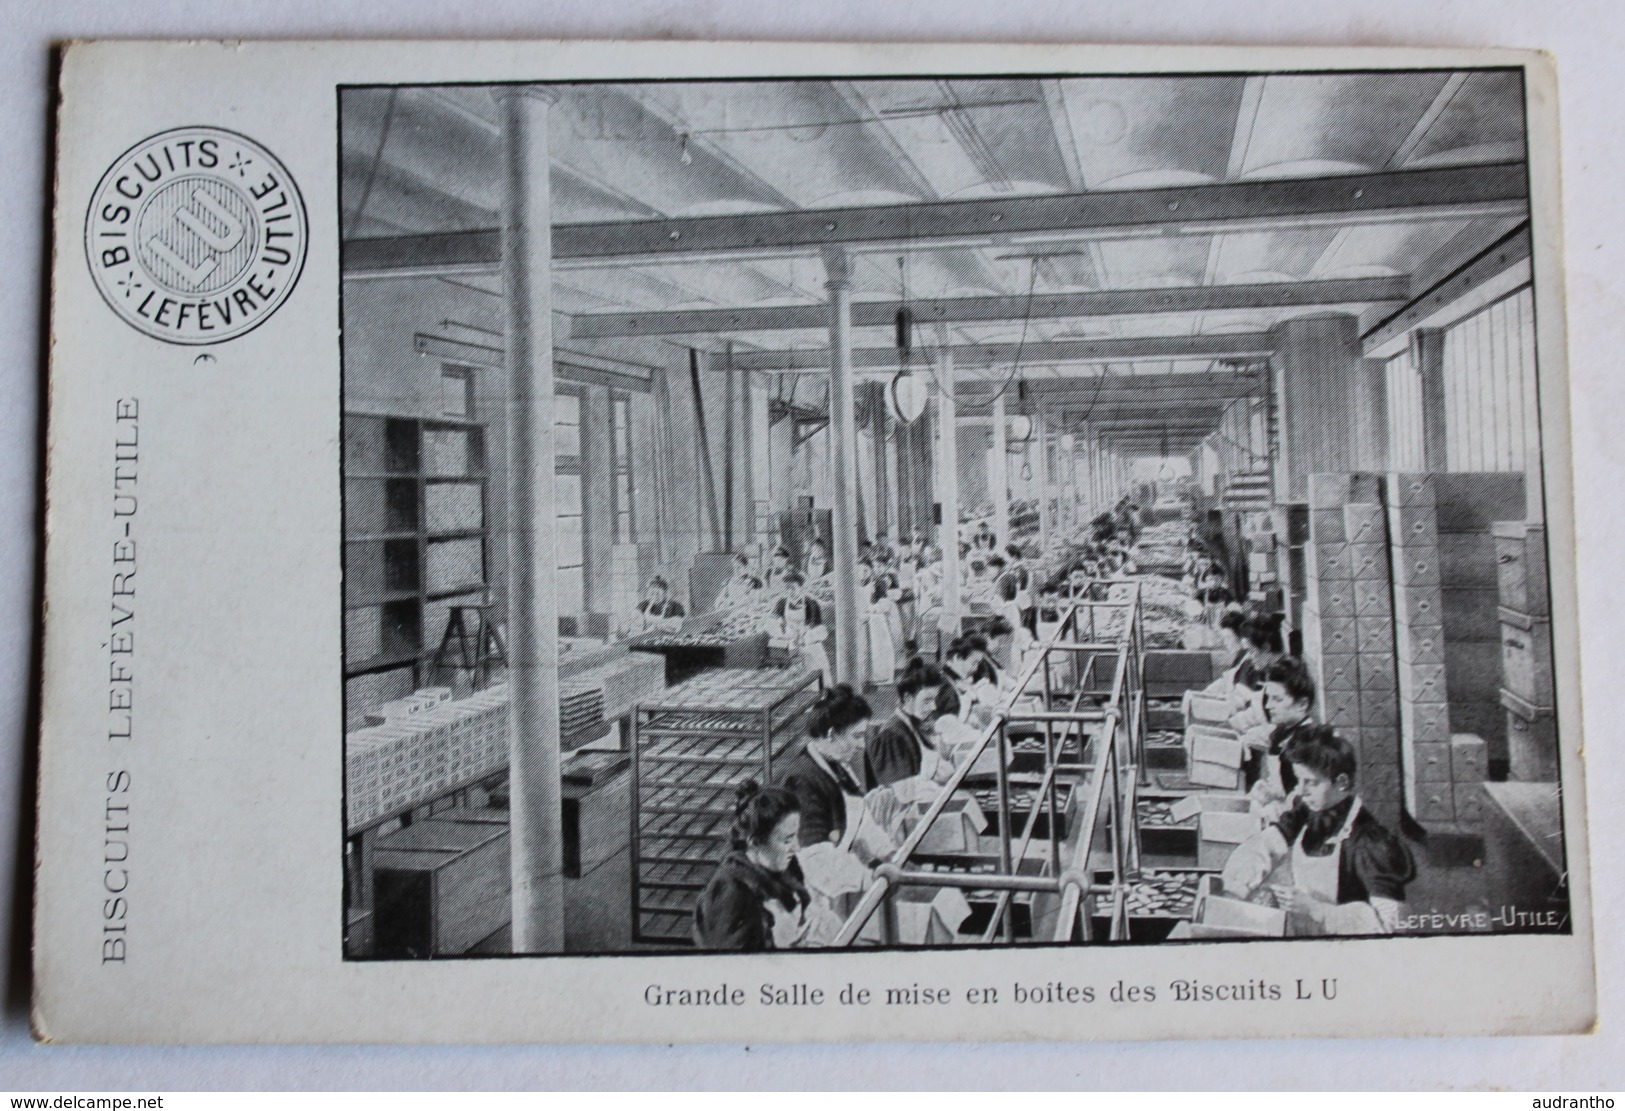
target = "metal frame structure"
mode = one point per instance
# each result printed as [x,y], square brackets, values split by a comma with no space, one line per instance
[1118,763]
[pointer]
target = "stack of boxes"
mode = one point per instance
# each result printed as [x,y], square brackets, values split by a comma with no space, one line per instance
[1526,651]
[1349,630]
[1427,766]
[420,748]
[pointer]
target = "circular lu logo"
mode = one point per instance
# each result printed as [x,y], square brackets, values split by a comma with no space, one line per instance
[196,235]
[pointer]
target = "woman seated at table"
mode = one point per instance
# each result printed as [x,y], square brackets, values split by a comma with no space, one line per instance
[757,899]
[657,612]
[1327,861]
[1262,633]
[846,829]
[797,626]
[743,587]
[903,754]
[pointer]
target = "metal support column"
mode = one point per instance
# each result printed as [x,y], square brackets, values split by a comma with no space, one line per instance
[537,854]
[844,459]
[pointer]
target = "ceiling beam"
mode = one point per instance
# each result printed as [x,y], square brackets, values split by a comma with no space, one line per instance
[882,314]
[1238,345]
[1429,117]
[1456,192]
[1508,251]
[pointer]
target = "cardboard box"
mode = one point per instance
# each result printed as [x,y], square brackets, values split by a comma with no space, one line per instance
[1423,683]
[1373,598]
[1419,606]
[929,915]
[1469,758]
[1424,722]
[1526,657]
[1334,598]
[1206,708]
[1326,526]
[1421,644]
[1413,526]
[1379,676]
[1330,562]
[1339,672]
[1431,763]
[1223,912]
[1411,489]
[1368,560]
[1364,523]
[1416,567]
[1330,491]
[1339,708]
[1379,713]
[1228,827]
[1521,572]
[1209,745]
[1338,636]
[1214,775]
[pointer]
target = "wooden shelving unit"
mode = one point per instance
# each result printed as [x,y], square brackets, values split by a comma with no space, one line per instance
[692,747]
[415,503]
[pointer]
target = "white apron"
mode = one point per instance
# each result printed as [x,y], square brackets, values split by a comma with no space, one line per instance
[1318,874]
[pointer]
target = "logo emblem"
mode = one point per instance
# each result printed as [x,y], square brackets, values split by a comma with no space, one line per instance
[196,235]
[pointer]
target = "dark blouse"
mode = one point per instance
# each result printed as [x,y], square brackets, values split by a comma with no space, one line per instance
[823,800]
[1373,863]
[894,752]
[732,911]
[811,613]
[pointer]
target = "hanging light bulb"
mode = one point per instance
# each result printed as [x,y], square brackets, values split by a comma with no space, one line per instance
[1021,428]
[1026,469]
[685,158]
[1067,442]
[908,395]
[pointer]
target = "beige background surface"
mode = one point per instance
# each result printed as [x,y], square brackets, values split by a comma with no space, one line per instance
[1483,1062]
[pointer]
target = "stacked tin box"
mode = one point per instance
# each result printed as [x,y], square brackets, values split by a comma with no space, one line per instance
[418,755]
[1349,634]
[1427,767]
[1526,651]
[693,746]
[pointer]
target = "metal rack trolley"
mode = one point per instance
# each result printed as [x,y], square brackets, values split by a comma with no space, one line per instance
[691,748]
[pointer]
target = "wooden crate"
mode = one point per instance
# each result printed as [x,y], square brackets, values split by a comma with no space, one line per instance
[440,887]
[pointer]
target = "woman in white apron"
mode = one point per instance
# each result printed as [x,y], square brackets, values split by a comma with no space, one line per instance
[797,625]
[1327,861]
[845,829]
[879,619]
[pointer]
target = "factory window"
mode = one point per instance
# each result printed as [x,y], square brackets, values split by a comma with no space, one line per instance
[457,392]
[568,545]
[1405,429]
[620,449]
[1492,418]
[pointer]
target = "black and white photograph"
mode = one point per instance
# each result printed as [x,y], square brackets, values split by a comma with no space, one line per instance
[957,511]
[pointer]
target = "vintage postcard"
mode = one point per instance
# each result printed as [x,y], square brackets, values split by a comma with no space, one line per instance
[737,542]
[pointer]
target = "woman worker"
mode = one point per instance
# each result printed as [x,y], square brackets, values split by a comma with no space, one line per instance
[845,829]
[656,612]
[757,899]
[742,587]
[1327,861]
[1289,699]
[902,754]
[1262,634]
[797,625]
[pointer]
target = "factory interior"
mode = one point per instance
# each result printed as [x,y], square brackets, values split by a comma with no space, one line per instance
[978,511]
